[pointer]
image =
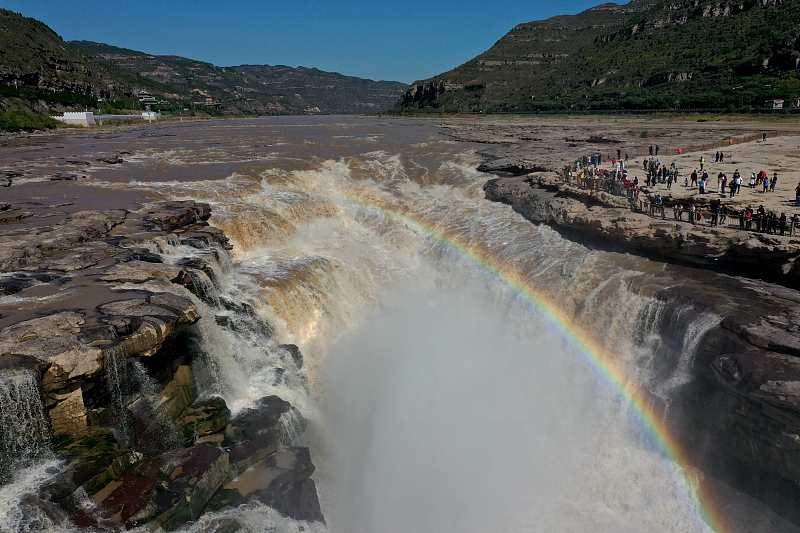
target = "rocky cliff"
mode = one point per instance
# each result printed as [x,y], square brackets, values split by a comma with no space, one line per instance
[602,218]
[655,54]
[114,381]
[739,408]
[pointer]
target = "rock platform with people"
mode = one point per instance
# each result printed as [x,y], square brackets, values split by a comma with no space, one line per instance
[672,205]
[754,186]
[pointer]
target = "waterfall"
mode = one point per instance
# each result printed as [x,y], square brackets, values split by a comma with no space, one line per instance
[117,384]
[165,433]
[291,425]
[24,429]
[130,387]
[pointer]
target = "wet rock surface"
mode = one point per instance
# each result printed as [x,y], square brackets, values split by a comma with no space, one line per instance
[102,307]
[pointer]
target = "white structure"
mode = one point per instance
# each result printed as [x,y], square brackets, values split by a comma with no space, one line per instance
[775,105]
[78,118]
[150,116]
[87,118]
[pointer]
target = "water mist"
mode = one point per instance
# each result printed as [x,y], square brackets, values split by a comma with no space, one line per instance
[455,408]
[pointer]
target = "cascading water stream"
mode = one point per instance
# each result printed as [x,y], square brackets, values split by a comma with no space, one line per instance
[24,429]
[438,398]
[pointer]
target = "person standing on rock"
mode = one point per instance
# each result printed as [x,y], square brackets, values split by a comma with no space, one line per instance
[765,185]
[694,178]
[783,223]
[742,218]
[795,224]
[761,222]
[692,212]
[773,182]
[753,180]
[651,150]
[702,162]
[714,212]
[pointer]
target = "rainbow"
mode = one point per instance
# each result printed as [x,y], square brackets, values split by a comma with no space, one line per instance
[597,356]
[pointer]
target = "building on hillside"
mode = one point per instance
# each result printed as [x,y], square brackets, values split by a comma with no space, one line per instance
[146,98]
[775,105]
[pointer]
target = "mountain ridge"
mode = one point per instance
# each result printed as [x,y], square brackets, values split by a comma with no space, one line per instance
[41,72]
[646,54]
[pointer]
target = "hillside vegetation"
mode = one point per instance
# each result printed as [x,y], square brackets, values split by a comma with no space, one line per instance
[647,54]
[40,73]
[252,89]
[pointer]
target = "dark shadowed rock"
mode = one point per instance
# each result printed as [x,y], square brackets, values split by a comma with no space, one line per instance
[170,489]
[294,352]
[204,419]
[259,431]
[289,488]
[512,166]
[113,160]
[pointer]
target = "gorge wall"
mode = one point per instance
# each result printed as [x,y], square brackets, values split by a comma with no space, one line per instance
[740,412]
[119,388]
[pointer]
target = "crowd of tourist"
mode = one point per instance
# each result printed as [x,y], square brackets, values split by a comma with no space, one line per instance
[617,179]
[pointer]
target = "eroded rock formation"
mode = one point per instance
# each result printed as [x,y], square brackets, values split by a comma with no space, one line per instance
[739,410]
[112,302]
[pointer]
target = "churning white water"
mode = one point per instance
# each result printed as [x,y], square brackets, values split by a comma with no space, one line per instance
[439,400]
[453,408]
[444,402]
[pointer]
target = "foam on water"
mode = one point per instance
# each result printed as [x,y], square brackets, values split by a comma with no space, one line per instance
[438,401]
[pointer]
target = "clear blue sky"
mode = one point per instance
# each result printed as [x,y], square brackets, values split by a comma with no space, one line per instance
[395,40]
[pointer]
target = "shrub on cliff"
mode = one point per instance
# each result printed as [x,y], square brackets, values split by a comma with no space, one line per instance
[19,120]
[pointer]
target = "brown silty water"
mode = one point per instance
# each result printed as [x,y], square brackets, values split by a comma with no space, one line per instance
[333,221]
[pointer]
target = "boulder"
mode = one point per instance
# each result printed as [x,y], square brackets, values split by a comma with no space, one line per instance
[169,490]
[111,160]
[179,393]
[257,432]
[69,416]
[54,341]
[204,419]
[282,480]
[294,352]
[289,487]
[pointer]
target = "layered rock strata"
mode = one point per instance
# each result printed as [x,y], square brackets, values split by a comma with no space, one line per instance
[602,218]
[738,408]
[103,308]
